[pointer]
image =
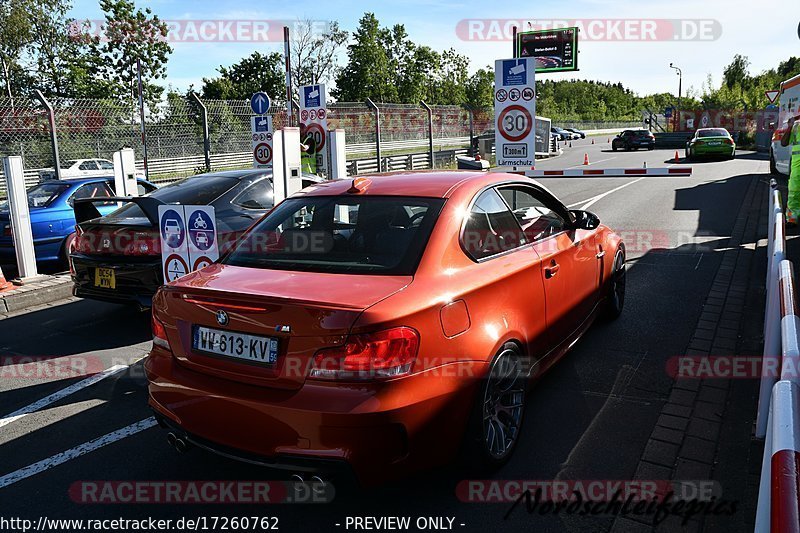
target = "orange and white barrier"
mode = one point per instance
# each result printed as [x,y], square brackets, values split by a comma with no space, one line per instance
[778,498]
[578,172]
[778,418]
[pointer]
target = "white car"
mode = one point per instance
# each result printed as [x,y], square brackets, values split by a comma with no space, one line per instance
[82,168]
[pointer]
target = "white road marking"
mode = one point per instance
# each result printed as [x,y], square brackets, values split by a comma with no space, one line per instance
[56,396]
[77,451]
[589,202]
[593,163]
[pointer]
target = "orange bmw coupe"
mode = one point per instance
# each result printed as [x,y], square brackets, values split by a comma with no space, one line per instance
[381,325]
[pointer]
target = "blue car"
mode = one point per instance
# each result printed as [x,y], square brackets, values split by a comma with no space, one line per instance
[52,216]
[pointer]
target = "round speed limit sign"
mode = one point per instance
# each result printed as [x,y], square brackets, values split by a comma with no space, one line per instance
[514,123]
[262,153]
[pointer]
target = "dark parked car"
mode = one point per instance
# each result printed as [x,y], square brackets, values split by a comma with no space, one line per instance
[125,247]
[633,140]
[52,217]
[577,132]
[563,135]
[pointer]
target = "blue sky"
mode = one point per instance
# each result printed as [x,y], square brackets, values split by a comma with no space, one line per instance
[766,37]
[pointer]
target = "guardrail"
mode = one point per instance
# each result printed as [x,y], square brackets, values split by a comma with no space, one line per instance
[778,419]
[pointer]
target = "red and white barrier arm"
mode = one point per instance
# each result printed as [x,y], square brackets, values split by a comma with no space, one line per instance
[619,172]
[785,461]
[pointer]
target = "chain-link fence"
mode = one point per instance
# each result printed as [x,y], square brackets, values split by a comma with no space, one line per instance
[94,129]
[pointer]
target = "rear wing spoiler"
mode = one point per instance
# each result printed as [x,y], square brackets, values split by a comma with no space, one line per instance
[86,210]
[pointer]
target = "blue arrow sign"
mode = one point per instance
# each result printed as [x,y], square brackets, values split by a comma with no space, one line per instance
[260,103]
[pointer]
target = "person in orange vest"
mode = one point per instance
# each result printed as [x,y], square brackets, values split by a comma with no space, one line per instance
[792,137]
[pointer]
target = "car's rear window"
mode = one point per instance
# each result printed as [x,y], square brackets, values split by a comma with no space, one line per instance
[43,194]
[341,234]
[197,190]
[713,132]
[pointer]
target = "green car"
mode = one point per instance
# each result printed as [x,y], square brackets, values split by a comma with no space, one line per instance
[711,142]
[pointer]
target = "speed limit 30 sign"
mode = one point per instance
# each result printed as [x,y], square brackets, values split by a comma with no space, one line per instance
[515,113]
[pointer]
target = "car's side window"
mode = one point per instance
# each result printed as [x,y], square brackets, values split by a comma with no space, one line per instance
[491,228]
[537,220]
[88,165]
[256,196]
[105,165]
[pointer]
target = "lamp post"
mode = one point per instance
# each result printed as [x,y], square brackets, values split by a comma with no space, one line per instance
[680,83]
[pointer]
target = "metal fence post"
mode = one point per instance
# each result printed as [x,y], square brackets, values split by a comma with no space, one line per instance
[51,119]
[430,129]
[206,137]
[471,151]
[372,105]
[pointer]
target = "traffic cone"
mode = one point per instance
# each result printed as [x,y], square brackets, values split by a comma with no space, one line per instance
[585,159]
[592,141]
[4,284]
[677,157]
[608,140]
[570,144]
[645,165]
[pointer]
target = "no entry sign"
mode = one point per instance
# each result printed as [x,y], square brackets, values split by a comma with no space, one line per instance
[515,113]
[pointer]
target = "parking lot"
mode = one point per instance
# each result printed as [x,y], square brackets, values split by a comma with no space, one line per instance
[592,417]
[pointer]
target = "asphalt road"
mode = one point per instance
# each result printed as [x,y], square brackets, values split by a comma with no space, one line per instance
[589,418]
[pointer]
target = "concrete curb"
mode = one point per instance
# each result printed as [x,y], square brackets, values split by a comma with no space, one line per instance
[48,290]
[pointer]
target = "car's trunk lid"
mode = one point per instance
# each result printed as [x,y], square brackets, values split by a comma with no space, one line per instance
[302,311]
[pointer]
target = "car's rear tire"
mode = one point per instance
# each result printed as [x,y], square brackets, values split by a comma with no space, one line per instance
[613,147]
[496,420]
[615,298]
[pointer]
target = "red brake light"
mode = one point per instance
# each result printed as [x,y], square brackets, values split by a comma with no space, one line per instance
[728,141]
[7,230]
[385,354]
[159,333]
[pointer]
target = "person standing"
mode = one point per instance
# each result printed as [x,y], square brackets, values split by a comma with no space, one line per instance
[308,156]
[792,137]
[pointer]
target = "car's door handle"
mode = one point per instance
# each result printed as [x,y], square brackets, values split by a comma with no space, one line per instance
[552,270]
[600,255]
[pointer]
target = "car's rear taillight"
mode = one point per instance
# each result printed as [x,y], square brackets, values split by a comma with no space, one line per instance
[728,141]
[159,333]
[141,244]
[7,230]
[385,354]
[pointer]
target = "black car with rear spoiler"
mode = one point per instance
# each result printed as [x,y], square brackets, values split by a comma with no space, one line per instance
[117,257]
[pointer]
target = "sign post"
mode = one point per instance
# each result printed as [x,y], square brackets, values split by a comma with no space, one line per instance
[772,96]
[262,133]
[260,103]
[515,112]
[188,239]
[314,122]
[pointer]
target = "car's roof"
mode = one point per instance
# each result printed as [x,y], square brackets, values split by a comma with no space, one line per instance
[236,174]
[421,183]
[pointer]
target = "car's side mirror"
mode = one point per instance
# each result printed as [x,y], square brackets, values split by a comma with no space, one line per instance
[585,220]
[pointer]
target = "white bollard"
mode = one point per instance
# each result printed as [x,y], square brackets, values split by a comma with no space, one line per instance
[337,160]
[20,217]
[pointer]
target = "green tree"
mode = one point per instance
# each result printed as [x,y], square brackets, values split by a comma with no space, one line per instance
[314,54]
[367,73]
[479,92]
[16,37]
[130,35]
[257,72]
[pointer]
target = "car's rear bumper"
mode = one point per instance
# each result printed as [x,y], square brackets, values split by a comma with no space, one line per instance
[380,431]
[136,281]
[714,150]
